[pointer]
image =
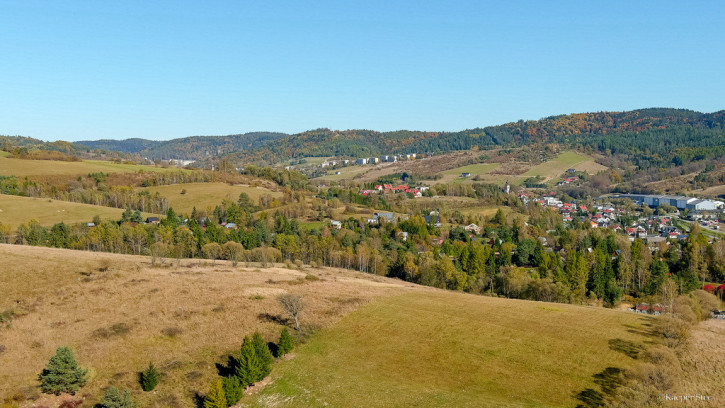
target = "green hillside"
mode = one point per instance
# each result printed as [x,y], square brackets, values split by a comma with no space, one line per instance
[441,349]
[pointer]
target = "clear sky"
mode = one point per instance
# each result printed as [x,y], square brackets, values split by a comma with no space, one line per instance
[75,70]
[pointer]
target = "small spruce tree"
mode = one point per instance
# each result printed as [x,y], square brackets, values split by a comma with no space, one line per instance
[114,398]
[285,343]
[233,389]
[263,354]
[149,378]
[62,373]
[215,398]
[249,367]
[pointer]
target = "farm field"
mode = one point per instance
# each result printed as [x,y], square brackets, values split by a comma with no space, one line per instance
[205,195]
[15,210]
[566,160]
[474,169]
[487,211]
[346,173]
[452,350]
[118,313]
[22,168]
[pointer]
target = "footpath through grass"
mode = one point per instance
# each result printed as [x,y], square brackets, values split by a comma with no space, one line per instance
[454,350]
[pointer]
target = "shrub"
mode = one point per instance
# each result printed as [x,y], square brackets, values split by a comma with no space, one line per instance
[707,301]
[215,398]
[62,373]
[661,356]
[285,343]
[263,354]
[114,398]
[674,331]
[171,331]
[293,305]
[684,309]
[149,378]
[233,389]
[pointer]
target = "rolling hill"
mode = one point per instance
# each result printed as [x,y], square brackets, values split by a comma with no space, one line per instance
[373,341]
[191,148]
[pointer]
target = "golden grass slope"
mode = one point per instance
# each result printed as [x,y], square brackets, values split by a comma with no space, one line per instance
[118,313]
[22,168]
[15,210]
[443,349]
[205,196]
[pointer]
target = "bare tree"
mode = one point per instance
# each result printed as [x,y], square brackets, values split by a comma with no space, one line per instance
[293,305]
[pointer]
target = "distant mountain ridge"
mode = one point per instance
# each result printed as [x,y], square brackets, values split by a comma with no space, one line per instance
[191,148]
[654,134]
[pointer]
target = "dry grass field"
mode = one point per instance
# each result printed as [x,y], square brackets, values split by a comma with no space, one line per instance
[704,364]
[374,342]
[22,168]
[118,313]
[15,210]
[205,196]
[443,349]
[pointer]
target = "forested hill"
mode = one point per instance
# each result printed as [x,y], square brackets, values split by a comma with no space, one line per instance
[657,131]
[193,147]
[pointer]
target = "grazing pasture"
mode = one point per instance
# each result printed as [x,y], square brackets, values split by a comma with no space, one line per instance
[22,168]
[205,196]
[15,210]
[443,349]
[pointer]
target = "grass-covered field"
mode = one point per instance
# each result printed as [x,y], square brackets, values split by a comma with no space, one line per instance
[443,349]
[206,195]
[22,168]
[16,210]
[118,313]
[564,161]
[474,169]
[346,173]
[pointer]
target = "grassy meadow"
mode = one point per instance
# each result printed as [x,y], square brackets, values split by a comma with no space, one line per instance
[118,313]
[15,210]
[206,195]
[564,161]
[474,169]
[346,173]
[22,168]
[443,349]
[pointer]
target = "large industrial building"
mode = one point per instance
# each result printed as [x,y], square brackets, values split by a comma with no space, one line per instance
[679,202]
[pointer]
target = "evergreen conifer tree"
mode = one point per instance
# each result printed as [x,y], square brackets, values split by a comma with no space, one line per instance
[249,367]
[149,378]
[114,398]
[263,354]
[62,373]
[233,389]
[215,398]
[285,343]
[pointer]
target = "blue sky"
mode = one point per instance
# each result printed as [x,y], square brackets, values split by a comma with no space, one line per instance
[75,70]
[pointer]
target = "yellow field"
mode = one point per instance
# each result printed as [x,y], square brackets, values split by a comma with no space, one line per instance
[16,210]
[204,196]
[564,161]
[22,168]
[346,173]
[118,313]
[444,349]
